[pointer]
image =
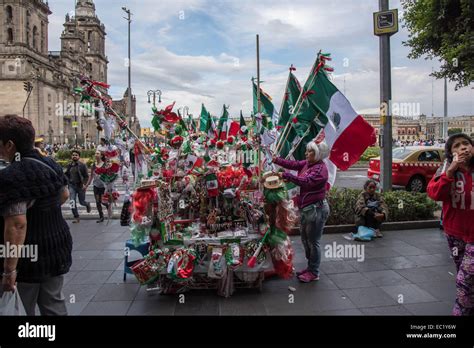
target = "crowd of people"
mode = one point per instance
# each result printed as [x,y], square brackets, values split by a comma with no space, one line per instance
[33,189]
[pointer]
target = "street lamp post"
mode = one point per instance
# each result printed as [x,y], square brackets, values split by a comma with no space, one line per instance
[154,93]
[128,18]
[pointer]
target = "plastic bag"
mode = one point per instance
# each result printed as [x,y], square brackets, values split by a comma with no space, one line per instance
[10,304]
[364,233]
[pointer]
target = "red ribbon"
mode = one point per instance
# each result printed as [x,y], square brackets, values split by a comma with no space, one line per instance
[307,93]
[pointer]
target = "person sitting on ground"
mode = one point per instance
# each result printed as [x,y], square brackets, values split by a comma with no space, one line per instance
[370,208]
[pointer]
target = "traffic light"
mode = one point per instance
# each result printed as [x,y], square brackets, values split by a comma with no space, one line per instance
[27,86]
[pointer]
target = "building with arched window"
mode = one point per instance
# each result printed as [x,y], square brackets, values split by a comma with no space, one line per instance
[24,56]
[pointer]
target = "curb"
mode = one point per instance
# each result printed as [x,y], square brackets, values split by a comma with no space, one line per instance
[332,229]
[387,226]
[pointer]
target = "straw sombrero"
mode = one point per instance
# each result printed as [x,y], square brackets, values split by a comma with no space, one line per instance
[273,182]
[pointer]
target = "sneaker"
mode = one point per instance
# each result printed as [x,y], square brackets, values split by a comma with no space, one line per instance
[88,207]
[308,277]
[301,272]
[76,221]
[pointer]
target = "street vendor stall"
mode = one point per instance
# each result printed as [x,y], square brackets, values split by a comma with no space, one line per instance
[208,225]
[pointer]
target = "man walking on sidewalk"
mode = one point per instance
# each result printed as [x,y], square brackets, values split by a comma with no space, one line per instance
[77,175]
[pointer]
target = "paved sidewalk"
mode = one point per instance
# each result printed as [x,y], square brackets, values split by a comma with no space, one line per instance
[405,273]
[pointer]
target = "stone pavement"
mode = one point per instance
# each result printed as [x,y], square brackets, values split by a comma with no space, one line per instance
[405,273]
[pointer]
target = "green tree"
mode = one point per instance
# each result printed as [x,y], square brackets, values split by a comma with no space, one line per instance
[452,131]
[443,29]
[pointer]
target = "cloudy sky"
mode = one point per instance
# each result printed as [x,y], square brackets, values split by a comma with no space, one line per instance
[203,51]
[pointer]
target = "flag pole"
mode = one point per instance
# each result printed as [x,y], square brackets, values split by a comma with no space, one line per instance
[258,111]
[289,124]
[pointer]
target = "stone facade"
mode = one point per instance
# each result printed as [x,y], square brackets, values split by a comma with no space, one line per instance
[121,107]
[24,56]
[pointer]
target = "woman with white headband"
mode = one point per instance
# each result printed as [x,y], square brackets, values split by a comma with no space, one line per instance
[312,179]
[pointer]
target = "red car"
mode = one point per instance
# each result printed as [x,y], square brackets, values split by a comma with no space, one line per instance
[412,166]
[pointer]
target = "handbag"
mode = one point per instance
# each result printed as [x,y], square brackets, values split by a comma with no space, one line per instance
[10,304]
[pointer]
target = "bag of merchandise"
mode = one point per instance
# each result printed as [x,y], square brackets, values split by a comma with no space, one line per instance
[218,265]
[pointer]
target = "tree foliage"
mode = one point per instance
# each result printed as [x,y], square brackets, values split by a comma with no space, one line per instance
[442,29]
[452,131]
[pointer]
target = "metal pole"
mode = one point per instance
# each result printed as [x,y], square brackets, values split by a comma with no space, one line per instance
[445,115]
[385,102]
[129,106]
[75,122]
[258,111]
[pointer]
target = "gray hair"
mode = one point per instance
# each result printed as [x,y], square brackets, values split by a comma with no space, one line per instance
[321,150]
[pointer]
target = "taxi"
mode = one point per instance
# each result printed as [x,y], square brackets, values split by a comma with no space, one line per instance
[412,166]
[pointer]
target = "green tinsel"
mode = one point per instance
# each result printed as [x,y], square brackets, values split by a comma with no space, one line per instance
[155,122]
[275,195]
[139,234]
[276,236]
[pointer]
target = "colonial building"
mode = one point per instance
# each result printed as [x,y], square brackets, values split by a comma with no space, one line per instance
[24,57]
[422,128]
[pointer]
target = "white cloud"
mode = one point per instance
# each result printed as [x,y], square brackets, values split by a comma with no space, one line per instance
[219,70]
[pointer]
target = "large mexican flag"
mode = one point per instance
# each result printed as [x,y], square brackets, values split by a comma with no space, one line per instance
[326,110]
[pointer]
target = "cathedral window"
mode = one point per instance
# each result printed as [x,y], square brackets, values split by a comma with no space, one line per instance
[10,35]
[9,11]
[35,36]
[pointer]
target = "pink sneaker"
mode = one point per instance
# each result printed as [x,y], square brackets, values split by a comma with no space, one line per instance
[301,272]
[308,277]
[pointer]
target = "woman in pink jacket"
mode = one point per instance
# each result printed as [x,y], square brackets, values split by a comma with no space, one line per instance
[312,179]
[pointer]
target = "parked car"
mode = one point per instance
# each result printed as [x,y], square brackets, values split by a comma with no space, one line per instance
[412,166]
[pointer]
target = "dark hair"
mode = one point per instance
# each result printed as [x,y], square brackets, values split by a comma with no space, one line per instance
[368,182]
[76,151]
[450,142]
[19,130]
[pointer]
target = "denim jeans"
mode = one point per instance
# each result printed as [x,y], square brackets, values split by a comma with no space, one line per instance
[313,219]
[81,194]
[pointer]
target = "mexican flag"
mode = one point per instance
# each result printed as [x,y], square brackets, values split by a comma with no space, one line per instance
[234,128]
[223,125]
[204,120]
[292,93]
[325,109]
[212,185]
[206,123]
[266,107]
[193,162]
[243,126]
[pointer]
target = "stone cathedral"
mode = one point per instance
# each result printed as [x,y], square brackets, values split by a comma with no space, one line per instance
[24,57]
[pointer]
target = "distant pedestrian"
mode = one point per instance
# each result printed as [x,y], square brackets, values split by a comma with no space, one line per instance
[98,185]
[454,188]
[77,174]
